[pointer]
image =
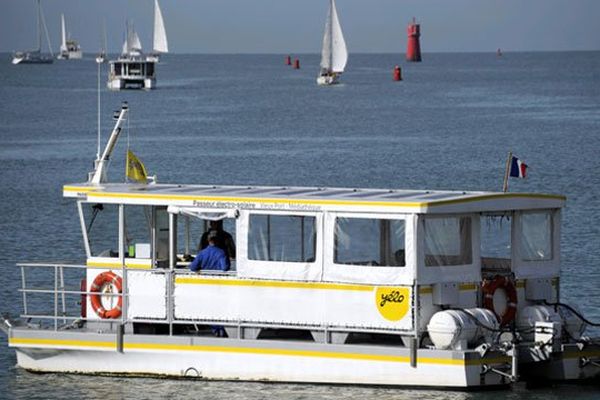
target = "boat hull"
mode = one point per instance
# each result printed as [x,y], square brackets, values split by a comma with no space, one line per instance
[121,83]
[327,80]
[70,55]
[250,360]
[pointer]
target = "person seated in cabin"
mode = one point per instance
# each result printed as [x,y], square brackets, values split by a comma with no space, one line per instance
[224,240]
[212,257]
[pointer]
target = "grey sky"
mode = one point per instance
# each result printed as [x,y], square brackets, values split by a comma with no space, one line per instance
[295,26]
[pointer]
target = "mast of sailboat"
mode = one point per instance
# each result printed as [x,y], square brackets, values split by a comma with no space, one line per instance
[41,15]
[39,26]
[331,7]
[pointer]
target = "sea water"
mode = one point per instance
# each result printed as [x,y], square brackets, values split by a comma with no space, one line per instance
[251,120]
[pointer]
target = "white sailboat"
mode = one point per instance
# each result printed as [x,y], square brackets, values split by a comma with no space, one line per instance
[36,56]
[160,35]
[69,48]
[334,54]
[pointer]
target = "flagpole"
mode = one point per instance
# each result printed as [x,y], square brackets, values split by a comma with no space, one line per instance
[508,160]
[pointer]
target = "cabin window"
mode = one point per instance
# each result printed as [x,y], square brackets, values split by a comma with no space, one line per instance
[102,225]
[536,236]
[287,238]
[117,68]
[138,231]
[193,231]
[447,241]
[150,69]
[369,242]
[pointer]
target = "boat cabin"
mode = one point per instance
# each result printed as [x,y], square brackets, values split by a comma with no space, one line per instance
[131,72]
[328,260]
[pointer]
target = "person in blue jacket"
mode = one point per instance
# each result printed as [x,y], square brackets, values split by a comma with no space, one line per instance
[211,257]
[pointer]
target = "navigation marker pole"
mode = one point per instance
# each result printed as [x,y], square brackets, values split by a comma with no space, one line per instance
[508,160]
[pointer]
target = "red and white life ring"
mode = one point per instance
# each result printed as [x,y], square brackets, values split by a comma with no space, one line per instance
[103,283]
[489,287]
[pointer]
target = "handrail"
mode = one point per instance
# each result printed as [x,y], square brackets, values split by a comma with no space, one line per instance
[59,291]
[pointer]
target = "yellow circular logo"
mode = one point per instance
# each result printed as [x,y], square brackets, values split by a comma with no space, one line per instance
[392,302]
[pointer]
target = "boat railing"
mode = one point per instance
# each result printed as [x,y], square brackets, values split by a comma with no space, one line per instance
[61,315]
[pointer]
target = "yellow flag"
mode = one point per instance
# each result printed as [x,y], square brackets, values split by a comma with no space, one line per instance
[134,169]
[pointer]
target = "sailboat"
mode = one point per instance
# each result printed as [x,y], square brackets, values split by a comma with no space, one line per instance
[334,54]
[160,35]
[69,49]
[36,56]
[131,69]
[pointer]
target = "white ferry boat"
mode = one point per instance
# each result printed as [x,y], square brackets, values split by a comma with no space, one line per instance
[328,285]
[132,69]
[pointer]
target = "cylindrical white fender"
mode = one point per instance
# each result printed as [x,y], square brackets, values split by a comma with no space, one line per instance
[454,329]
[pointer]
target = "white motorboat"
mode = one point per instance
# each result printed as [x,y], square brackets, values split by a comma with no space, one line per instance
[160,44]
[69,48]
[132,69]
[334,54]
[327,285]
[36,56]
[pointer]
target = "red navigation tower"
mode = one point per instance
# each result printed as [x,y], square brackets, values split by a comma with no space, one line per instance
[413,51]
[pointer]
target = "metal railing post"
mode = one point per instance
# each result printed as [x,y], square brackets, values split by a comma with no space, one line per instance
[62,295]
[24,288]
[55,298]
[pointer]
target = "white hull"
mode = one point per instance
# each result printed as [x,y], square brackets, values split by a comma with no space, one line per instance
[328,80]
[254,360]
[119,83]
[70,55]
[17,60]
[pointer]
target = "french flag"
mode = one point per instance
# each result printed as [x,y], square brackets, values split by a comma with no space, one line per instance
[518,169]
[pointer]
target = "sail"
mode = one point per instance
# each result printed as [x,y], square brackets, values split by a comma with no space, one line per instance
[334,54]
[132,44]
[63,44]
[160,35]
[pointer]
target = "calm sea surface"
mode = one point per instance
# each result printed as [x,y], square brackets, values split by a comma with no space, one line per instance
[252,120]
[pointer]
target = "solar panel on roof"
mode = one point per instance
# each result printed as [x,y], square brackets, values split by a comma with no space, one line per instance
[370,194]
[192,189]
[437,196]
[295,192]
[154,188]
[405,195]
[226,189]
[259,190]
[328,193]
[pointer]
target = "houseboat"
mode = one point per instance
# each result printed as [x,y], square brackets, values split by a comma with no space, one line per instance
[326,285]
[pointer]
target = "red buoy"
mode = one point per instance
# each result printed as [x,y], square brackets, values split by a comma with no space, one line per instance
[413,50]
[397,73]
[288,60]
[296,64]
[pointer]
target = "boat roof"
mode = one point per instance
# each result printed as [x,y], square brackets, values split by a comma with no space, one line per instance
[288,198]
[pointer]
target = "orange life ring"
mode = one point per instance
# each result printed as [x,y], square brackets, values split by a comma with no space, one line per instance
[489,288]
[96,299]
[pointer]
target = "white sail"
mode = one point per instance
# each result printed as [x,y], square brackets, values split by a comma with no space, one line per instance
[63,44]
[132,44]
[334,54]
[160,35]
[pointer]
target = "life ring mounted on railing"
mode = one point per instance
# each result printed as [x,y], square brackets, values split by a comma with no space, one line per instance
[488,289]
[106,282]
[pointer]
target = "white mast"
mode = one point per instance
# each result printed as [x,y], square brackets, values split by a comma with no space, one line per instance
[99,175]
[160,35]
[63,45]
[41,17]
